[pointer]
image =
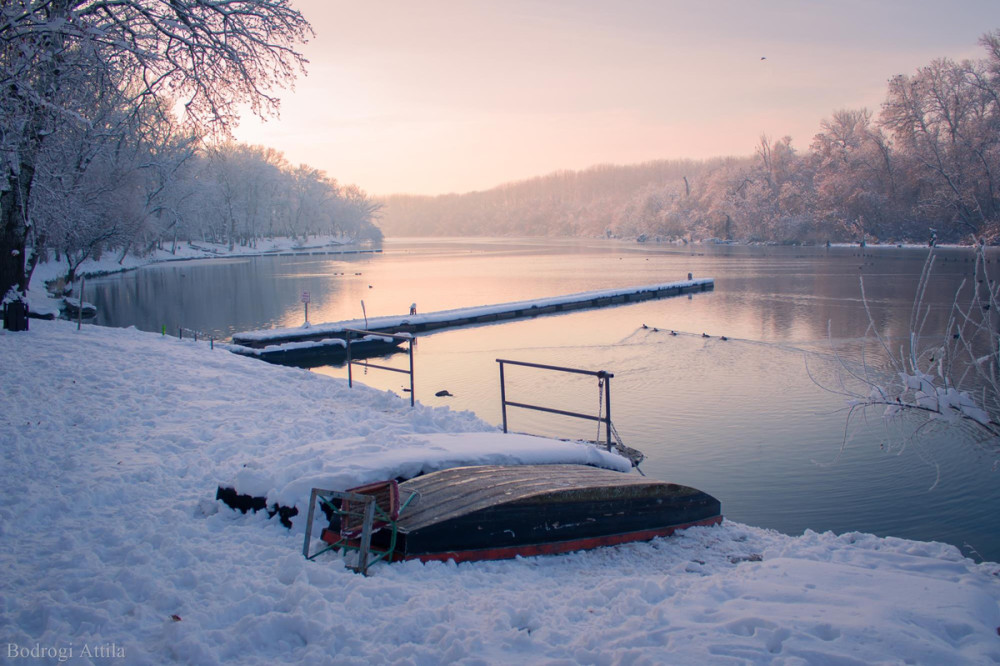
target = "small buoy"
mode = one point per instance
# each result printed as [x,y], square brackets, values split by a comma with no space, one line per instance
[443,394]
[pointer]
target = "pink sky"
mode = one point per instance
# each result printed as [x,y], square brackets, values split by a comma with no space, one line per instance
[432,97]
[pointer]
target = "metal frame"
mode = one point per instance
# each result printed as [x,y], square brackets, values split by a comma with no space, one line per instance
[364,542]
[350,332]
[370,512]
[600,374]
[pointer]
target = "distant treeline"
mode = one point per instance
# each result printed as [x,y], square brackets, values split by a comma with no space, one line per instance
[926,167]
[129,195]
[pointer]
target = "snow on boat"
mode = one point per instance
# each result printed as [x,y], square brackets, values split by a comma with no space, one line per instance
[503,511]
[74,308]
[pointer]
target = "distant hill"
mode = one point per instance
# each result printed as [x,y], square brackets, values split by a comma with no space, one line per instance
[591,202]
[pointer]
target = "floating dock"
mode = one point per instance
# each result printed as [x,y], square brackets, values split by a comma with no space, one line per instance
[483,314]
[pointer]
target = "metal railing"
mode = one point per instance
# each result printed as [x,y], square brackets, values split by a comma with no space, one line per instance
[351,332]
[192,333]
[603,377]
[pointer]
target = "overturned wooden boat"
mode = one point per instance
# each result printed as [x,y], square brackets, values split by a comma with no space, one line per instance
[504,511]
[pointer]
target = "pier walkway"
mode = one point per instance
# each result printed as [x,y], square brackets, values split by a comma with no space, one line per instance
[482,314]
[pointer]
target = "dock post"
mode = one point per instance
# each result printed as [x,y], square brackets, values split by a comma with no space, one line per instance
[503,397]
[607,404]
[350,375]
[411,373]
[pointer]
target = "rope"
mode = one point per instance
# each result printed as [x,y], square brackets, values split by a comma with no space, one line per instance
[634,455]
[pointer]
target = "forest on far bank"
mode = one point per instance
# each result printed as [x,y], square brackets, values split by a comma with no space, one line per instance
[927,167]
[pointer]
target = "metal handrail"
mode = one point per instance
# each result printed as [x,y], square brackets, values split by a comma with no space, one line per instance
[602,375]
[396,336]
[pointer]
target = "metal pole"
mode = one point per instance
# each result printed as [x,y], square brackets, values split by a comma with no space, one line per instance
[503,398]
[79,313]
[607,404]
[411,374]
[350,376]
[309,521]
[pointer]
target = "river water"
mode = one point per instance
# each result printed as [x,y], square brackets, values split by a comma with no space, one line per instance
[754,419]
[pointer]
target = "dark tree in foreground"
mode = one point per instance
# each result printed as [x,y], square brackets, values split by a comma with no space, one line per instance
[202,58]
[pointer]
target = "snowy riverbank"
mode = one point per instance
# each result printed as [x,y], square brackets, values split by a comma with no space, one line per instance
[42,303]
[114,550]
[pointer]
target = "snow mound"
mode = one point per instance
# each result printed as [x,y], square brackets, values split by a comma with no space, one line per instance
[286,476]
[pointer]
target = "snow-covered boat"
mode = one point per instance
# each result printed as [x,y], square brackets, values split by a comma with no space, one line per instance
[502,511]
[74,308]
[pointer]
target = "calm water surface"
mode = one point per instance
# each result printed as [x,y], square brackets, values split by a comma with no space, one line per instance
[746,419]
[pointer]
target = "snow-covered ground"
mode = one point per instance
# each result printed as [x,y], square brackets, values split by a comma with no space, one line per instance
[113,550]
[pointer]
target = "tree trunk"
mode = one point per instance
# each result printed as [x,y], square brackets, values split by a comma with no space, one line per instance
[14,230]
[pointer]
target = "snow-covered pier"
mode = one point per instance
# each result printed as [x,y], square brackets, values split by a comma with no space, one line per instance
[483,314]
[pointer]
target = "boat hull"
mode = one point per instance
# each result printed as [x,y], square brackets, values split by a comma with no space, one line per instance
[500,512]
[557,547]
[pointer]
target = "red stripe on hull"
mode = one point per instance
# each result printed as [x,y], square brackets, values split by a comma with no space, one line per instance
[556,547]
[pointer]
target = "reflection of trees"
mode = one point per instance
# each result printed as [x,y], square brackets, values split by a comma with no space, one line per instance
[805,294]
[943,363]
[216,297]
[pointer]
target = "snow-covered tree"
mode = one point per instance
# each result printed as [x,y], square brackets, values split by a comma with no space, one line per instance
[209,57]
[946,117]
[854,177]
